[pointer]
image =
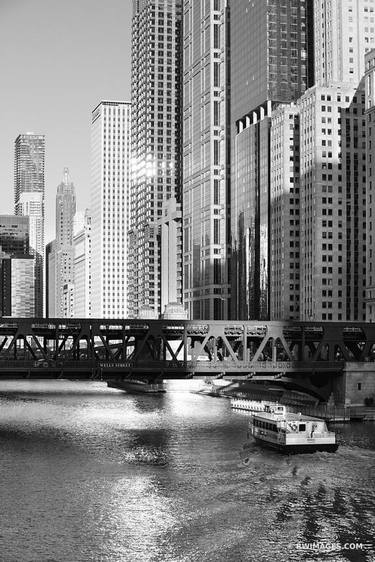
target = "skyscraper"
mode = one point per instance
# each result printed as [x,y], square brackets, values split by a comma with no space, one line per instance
[332,204]
[17,285]
[285,214]
[344,31]
[206,143]
[51,279]
[271,64]
[82,265]
[29,200]
[327,263]
[16,268]
[370,184]
[156,141]
[110,171]
[65,211]
[14,235]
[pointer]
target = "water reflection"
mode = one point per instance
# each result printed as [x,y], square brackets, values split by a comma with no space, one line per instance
[81,480]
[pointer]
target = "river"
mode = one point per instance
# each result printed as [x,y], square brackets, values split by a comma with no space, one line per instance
[91,474]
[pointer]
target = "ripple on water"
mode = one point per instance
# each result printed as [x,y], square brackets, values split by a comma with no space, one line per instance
[81,481]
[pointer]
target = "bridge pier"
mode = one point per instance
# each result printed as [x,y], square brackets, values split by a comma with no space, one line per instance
[359,383]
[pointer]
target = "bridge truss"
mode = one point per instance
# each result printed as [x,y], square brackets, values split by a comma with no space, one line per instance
[180,348]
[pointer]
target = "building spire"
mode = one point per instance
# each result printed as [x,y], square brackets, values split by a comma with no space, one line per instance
[66,176]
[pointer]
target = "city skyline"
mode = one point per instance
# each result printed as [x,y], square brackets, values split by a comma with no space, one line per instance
[69,44]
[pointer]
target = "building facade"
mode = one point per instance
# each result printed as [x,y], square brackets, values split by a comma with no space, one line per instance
[156,142]
[64,260]
[206,144]
[110,180]
[332,204]
[17,286]
[14,235]
[271,64]
[370,184]
[82,265]
[170,253]
[29,200]
[285,219]
[51,280]
[344,31]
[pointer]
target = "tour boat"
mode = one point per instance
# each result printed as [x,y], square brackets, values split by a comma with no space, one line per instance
[137,386]
[291,433]
[248,405]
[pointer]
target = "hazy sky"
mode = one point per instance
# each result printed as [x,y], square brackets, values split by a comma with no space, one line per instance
[58,59]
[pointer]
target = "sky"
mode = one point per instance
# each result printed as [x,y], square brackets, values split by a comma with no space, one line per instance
[58,60]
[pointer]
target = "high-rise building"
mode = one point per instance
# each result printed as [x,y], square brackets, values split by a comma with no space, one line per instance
[51,280]
[370,184]
[82,265]
[206,143]
[156,141]
[323,252]
[285,219]
[14,234]
[344,31]
[319,228]
[170,254]
[29,200]
[65,211]
[333,204]
[271,63]
[17,286]
[110,178]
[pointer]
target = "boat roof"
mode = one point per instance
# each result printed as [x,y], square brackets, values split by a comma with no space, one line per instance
[288,416]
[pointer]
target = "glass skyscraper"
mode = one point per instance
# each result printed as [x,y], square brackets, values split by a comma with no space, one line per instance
[271,64]
[206,143]
[29,200]
[156,143]
[14,235]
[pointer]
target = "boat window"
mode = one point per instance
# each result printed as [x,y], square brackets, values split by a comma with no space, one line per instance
[302,427]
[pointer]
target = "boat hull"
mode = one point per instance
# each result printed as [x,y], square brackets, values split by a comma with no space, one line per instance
[136,388]
[298,448]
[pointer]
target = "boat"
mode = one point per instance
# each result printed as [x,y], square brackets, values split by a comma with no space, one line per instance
[249,405]
[290,432]
[137,386]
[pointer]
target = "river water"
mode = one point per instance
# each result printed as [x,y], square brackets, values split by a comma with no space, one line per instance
[89,473]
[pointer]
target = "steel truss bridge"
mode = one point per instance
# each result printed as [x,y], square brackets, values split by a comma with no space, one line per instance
[181,348]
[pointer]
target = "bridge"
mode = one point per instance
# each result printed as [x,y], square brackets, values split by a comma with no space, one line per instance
[279,351]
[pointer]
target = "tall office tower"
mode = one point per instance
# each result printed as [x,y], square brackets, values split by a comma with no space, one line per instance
[285,220]
[16,267]
[370,184]
[332,204]
[29,200]
[206,143]
[51,280]
[110,178]
[271,64]
[344,31]
[14,235]
[170,254]
[156,141]
[17,285]
[82,265]
[65,211]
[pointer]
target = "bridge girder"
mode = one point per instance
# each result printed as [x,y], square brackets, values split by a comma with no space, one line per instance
[185,347]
